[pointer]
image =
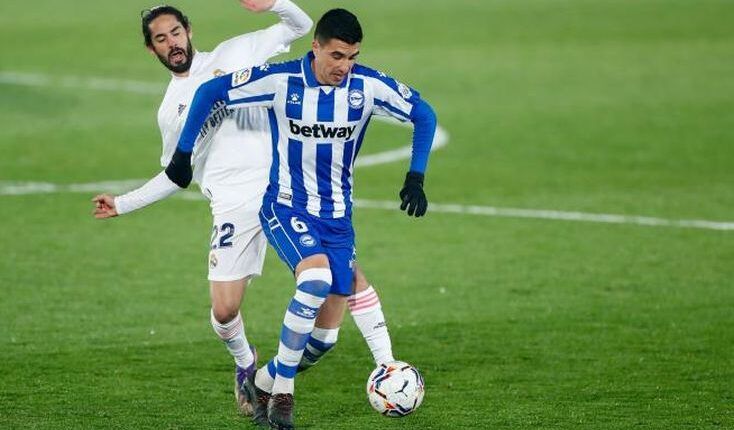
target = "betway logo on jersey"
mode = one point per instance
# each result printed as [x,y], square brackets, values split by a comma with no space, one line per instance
[321,130]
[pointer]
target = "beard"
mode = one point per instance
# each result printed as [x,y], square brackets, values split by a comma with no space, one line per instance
[178,67]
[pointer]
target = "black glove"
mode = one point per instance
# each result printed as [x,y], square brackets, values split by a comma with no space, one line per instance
[412,196]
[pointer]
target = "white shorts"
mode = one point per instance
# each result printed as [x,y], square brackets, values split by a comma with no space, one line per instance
[237,246]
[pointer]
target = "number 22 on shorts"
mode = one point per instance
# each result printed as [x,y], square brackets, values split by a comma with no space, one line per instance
[225,240]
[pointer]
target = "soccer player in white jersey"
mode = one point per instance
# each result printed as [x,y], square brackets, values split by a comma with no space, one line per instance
[232,160]
[319,108]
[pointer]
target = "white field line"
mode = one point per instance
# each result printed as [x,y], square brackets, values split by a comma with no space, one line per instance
[440,140]
[117,187]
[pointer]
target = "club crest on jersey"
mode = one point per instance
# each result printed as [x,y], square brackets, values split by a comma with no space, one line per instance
[219,72]
[241,77]
[356,99]
[294,99]
[404,90]
[307,240]
[213,260]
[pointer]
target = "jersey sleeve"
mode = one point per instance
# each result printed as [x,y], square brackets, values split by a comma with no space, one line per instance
[257,47]
[250,87]
[395,99]
[158,188]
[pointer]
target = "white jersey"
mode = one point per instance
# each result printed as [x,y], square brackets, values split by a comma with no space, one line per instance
[233,152]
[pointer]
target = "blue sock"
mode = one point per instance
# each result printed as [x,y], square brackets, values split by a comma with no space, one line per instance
[320,342]
[313,286]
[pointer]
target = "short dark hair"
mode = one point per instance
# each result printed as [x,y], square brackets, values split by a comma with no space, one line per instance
[148,15]
[338,24]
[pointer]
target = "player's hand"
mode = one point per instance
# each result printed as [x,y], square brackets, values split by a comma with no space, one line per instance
[412,196]
[257,5]
[104,206]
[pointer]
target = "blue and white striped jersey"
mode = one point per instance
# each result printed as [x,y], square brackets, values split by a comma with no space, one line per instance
[316,130]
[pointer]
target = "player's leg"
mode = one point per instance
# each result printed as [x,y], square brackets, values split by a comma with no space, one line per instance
[237,255]
[226,320]
[313,282]
[325,332]
[293,235]
[366,310]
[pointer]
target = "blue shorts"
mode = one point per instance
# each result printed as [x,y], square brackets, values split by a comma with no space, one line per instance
[295,234]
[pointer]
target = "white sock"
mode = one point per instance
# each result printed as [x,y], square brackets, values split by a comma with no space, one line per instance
[265,376]
[366,310]
[233,336]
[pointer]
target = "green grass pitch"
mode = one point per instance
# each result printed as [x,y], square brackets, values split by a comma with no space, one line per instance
[598,106]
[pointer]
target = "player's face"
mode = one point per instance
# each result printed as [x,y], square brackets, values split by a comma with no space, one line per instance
[333,60]
[171,43]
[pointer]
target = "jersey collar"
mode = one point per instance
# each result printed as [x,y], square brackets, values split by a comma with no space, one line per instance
[310,77]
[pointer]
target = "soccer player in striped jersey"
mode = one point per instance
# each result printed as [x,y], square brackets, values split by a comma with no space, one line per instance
[319,108]
[232,161]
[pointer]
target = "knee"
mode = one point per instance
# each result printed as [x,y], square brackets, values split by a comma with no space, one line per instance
[359,282]
[224,312]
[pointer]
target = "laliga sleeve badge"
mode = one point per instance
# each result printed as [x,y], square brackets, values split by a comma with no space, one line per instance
[404,90]
[240,77]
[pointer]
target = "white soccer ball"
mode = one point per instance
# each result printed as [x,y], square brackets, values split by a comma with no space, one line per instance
[395,389]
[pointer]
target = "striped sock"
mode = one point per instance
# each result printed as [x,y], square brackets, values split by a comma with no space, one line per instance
[233,336]
[313,286]
[366,310]
[320,342]
[265,376]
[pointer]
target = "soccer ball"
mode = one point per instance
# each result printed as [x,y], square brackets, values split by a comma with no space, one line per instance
[395,389]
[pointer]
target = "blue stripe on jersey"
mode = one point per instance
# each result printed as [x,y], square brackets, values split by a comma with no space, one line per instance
[346,174]
[325,108]
[359,69]
[294,98]
[391,108]
[295,169]
[323,179]
[355,84]
[360,138]
[275,166]
[252,99]
[267,69]
[358,146]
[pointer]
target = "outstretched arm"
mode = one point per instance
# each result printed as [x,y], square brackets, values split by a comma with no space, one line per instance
[412,196]
[158,188]
[211,94]
[293,18]
[395,99]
